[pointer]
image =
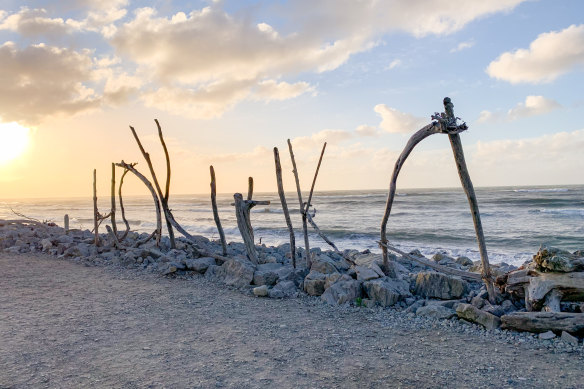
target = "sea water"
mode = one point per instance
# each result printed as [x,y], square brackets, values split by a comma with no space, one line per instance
[516,220]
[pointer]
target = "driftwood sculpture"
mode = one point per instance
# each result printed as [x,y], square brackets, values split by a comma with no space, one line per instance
[285,206]
[242,213]
[445,123]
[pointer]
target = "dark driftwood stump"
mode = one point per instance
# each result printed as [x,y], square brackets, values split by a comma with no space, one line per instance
[216,211]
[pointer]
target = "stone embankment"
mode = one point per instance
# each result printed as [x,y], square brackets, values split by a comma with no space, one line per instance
[348,278]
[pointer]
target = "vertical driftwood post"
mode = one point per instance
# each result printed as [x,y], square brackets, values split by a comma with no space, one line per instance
[66,224]
[472,200]
[285,206]
[248,209]
[242,213]
[113,198]
[216,211]
[301,204]
[95,211]
[122,209]
[249,188]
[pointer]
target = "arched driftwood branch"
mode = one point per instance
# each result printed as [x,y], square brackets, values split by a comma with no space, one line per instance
[445,124]
[141,177]
[122,209]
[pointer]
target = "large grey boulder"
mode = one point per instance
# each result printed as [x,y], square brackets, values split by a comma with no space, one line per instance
[473,314]
[342,291]
[215,273]
[367,273]
[283,289]
[324,264]
[200,265]
[557,260]
[436,311]
[314,283]
[270,273]
[439,285]
[238,272]
[387,291]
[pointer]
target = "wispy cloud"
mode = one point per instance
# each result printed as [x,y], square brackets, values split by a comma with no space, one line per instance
[462,46]
[394,121]
[533,106]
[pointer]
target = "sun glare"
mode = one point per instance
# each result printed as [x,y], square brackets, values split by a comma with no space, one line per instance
[13,141]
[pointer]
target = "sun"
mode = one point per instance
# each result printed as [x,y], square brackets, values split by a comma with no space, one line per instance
[14,140]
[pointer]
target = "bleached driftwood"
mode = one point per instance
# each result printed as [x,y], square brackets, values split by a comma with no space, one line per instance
[130,167]
[308,203]
[113,200]
[216,211]
[301,208]
[66,224]
[95,211]
[122,209]
[544,321]
[285,206]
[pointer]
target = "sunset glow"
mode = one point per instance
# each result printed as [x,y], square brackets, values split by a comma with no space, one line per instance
[14,140]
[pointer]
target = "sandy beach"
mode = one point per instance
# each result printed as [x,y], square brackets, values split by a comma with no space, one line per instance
[66,324]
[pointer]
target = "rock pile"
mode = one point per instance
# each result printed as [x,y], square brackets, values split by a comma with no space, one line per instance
[350,277]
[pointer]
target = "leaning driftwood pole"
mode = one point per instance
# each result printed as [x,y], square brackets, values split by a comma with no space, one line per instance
[242,214]
[113,198]
[301,204]
[216,211]
[95,211]
[307,207]
[433,128]
[285,206]
[472,199]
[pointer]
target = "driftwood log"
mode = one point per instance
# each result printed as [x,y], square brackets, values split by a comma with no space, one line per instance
[216,211]
[285,206]
[95,211]
[544,321]
[122,209]
[242,212]
[66,224]
[444,124]
[301,208]
[113,200]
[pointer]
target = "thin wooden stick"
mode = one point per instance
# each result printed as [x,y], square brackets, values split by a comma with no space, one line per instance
[444,269]
[142,178]
[216,211]
[125,234]
[285,206]
[95,211]
[66,224]
[314,179]
[167,157]
[249,188]
[301,207]
[319,232]
[458,152]
[113,198]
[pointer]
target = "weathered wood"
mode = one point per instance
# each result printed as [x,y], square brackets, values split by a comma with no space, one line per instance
[249,188]
[216,211]
[285,206]
[248,210]
[122,209]
[66,224]
[146,182]
[242,214]
[308,204]
[162,198]
[113,199]
[569,286]
[466,182]
[552,301]
[95,211]
[444,269]
[544,321]
[301,207]
[423,133]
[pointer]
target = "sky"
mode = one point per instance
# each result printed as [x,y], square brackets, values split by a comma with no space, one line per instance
[230,80]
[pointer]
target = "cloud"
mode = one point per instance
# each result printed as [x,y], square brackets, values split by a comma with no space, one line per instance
[548,57]
[533,106]
[365,130]
[462,46]
[35,22]
[394,64]
[40,81]
[332,137]
[394,121]
[272,90]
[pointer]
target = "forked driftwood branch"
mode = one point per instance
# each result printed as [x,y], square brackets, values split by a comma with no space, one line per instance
[285,206]
[242,213]
[446,123]
[216,211]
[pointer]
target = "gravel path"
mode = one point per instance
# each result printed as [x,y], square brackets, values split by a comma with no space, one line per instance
[65,325]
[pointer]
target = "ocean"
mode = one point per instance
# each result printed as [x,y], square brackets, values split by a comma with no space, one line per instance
[516,220]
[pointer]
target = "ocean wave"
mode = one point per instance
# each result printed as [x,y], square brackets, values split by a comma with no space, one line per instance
[541,190]
[569,212]
[267,210]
